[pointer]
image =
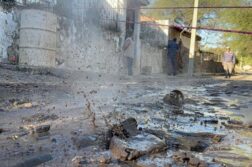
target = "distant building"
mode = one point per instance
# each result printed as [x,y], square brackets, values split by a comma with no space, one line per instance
[155,35]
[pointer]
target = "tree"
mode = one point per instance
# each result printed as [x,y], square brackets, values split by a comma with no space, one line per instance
[235,19]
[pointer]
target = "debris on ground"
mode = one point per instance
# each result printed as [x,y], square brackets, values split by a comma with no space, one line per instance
[175,98]
[35,161]
[125,122]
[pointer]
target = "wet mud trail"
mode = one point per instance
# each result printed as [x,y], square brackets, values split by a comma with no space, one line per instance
[66,122]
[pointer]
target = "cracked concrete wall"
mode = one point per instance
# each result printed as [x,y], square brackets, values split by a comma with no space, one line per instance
[8,27]
[91,39]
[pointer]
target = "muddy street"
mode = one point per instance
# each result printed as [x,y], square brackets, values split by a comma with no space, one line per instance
[77,120]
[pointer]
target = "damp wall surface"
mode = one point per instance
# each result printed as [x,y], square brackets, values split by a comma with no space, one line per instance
[153,42]
[91,38]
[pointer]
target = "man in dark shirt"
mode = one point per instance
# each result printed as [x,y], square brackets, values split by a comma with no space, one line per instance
[173,48]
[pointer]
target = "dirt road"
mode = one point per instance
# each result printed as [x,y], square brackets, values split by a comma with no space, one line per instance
[78,106]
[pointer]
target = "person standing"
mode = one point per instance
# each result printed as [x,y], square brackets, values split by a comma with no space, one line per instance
[173,48]
[128,49]
[228,62]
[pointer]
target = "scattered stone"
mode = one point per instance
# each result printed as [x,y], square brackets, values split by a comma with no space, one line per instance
[130,125]
[235,122]
[200,146]
[211,121]
[42,128]
[93,92]
[53,140]
[40,118]
[105,158]
[175,98]
[123,130]
[25,105]
[35,161]
[186,158]
[86,141]
[42,136]
[136,146]
[79,161]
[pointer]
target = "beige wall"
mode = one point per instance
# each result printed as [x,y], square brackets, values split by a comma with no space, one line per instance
[153,53]
[152,57]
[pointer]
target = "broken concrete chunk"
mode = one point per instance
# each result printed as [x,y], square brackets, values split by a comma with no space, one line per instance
[123,130]
[105,158]
[92,160]
[85,141]
[42,128]
[235,122]
[130,125]
[200,146]
[188,159]
[40,118]
[175,98]
[211,121]
[136,146]
[35,161]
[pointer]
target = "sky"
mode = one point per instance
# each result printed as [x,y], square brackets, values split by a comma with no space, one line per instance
[209,38]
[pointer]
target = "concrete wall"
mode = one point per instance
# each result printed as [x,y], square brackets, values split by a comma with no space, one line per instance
[8,27]
[154,40]
[153,59]
[91,38]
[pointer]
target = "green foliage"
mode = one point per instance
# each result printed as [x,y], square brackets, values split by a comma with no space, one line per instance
[232,19]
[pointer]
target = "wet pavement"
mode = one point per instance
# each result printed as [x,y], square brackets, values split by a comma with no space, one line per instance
[213,128]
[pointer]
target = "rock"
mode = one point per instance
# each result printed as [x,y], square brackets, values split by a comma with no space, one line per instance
[40,118]
[25,105]
[42,128]
[123,130]
[175,98]
[200,146]
[130,125]
[177,111]
[233,126]
[211,121]
[53,140]
[105,158]
[79,161]
[136,146]
[188,159]
[235,122]
[35,161]
[85,141]
[200,134]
